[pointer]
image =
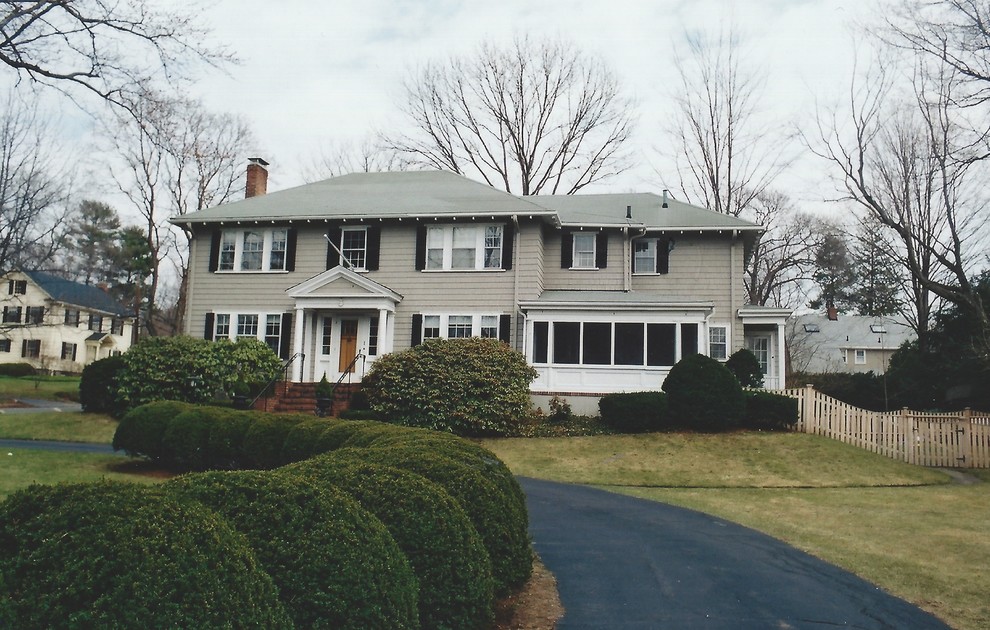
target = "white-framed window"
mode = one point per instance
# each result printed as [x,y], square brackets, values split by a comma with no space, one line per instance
[584,251]
[460,326]
[247,326]
[326,344]
[354,246]
[845,356]
[255,249]
[68,351]
[718,342]
[12,314]
[861,357]
[16,287]
[116,326]
[463,247]
[34,315]
[71,317]
[31,348]
[266,327]
[96,322]
[619,343]
[221,326]
[645,255]
[273,331]
[4,345]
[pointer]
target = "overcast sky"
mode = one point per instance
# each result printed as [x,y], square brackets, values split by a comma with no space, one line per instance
[314,71]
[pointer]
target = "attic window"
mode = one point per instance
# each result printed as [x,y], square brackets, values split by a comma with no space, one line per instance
[812,328]
[877,328]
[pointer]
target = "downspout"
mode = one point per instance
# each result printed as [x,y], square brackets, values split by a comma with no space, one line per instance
[732,284]
[517,241]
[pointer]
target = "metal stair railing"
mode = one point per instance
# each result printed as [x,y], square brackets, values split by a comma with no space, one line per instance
[284,375]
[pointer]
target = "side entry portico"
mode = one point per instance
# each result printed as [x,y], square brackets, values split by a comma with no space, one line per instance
[343,322]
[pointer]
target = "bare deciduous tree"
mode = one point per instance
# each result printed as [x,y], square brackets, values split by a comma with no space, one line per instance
[535,117]
[725,156]
[112,49]
[783,256]
[176,157]
[369,155]
[33,188]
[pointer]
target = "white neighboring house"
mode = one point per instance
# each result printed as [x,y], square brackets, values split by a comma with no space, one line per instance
[844,343]
[58,325]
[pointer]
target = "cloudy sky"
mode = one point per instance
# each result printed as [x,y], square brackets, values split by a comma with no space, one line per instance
[315,71]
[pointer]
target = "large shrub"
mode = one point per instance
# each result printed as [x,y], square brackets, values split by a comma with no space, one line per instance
[703,395]
[191,370]
[141,431]
[334,564]
[495,513]
[634,412]
[444,549]
[122,555]
[466,386]
[263,442]
[766,411]
[746,368]
[301,440]
[17,370]
[98,386]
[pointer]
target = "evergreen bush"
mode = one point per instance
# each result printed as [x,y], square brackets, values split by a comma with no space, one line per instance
[98,386]
[703,395]
[262,447]
[635,412]
[469,387]
[17,370]
[141,431]
[766,411]
[301,440]
[334,564]
[123,555]
[746,368]
[446,553]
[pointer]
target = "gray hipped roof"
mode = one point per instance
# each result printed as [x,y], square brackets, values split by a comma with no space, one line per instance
[428,194]
[76,293]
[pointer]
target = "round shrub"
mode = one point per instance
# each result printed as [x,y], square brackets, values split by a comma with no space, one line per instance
[466,386]
[746,368]
[450,563]
[495,513]
[333,563]
[368,433]
[98,386]
[703,395]
[262,447]
[228,429]
[186,439]
[300,442]
[121,555]
[635,412]
[766,411]
[17,370]
[142,429]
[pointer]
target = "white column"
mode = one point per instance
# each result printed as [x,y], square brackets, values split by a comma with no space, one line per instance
[384,333]
[297,344]
[781,357]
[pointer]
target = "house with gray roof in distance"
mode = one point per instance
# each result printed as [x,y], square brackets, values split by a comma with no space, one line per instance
[603,293]
[822,343]
[59,325]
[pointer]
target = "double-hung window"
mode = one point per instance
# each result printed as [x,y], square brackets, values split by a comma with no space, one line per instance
[247,326]
[718,346]
[354,247]
[31,348]
[96,322]
[16,287]
[464,247]
[116,326]
[273,331]
[252,251]
[584,251]
[460,326]
[255,249]
[71,317]
[4,345]
[266,327]
[861,357]
[12,314]
[276,253]
[35,315]
[221,326]
[68,351]
[651,255]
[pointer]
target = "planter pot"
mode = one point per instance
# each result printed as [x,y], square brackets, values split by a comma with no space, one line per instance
[241,402]
[323,406]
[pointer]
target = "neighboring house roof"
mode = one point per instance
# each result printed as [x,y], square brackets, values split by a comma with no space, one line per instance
[815,338]
[76,293]
[427,194]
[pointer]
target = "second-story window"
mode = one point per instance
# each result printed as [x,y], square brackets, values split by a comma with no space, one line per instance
[651,255]
[96,322]
[584,251]
[464,247]
[71,317]
[35,315]
[354,246]
[254,249]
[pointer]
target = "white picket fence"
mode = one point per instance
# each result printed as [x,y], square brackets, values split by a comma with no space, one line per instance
[954,440]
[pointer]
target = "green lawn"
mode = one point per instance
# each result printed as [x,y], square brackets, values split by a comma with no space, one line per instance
[904,528]
[42,387]
[68,427]
[19,468]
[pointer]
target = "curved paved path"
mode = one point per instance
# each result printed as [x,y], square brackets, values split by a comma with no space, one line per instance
[623,563]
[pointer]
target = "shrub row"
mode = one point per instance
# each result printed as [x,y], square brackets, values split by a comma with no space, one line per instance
[452,507]
[766,411]
[16,369]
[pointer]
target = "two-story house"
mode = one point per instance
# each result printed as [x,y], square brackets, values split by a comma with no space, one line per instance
[603,293]
[58,325]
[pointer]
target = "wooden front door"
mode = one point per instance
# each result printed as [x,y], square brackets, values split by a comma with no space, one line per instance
[348,344]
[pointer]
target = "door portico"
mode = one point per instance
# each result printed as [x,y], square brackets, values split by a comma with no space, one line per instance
[343,322]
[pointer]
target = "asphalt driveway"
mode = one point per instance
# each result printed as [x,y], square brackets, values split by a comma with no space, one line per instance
[623,563]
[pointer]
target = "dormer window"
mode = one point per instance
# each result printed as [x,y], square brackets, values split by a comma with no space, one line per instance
[812,328]
[877,328]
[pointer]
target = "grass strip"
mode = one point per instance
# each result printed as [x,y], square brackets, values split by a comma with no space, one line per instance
[53,425]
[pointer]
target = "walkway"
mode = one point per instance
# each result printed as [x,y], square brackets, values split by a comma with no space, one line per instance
[623,563]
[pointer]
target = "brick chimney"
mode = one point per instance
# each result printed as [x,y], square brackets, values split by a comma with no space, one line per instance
[833,313]
[257,178]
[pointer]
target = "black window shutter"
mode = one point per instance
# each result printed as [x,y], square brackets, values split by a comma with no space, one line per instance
[290,249]
[663,255]
[215,250]
[421,248]
[417,330]
[10,287]
[566,250]
[601,249]
[283,344]
[508,237]
[208,329]
[374,247]
[504,328]
[74,348]
[24,347]
[333,258]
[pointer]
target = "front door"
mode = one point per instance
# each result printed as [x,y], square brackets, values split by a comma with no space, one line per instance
[759,345]
[348,345]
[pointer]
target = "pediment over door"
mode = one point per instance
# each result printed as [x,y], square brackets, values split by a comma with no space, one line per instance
[343,288]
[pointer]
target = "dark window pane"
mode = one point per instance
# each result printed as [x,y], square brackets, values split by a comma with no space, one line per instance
[629,344]
[597,343]
[660,342]
[689,340]
[541,336]
[566,342]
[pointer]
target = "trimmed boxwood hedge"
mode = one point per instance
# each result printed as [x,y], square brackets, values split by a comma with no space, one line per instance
[766,411]
[141,430]
[703,395]
[122,555]
[334,564]
[263,442]
[493,512]
[300,441]
[635,412]
[431,528]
